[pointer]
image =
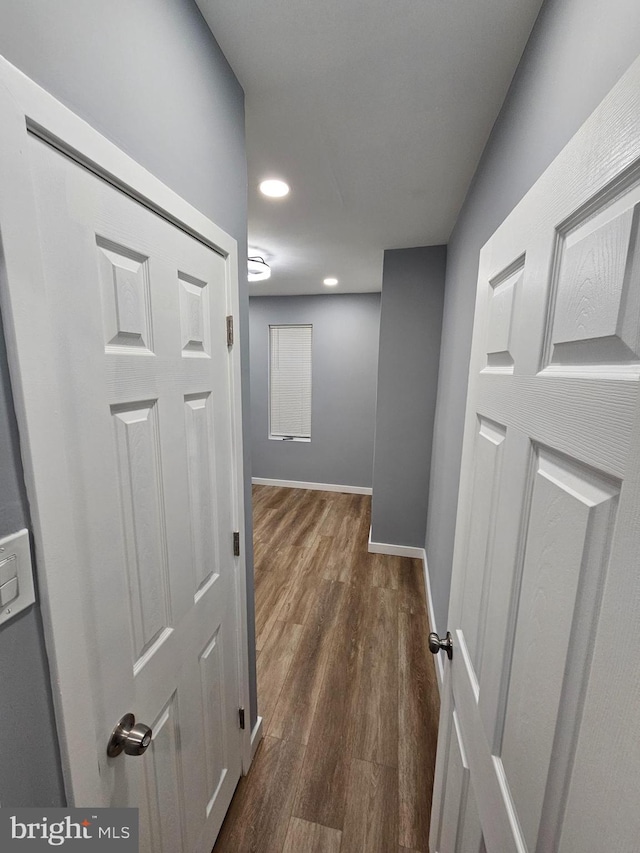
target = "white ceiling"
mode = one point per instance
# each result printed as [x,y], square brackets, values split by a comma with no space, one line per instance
[375,113]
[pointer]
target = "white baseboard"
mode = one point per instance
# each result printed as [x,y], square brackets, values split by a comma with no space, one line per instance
[394,550]
[432,619]
[319,487]
[256,736]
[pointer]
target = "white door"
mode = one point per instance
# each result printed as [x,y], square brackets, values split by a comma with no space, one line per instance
[140,318]
[538,748]
[147,458]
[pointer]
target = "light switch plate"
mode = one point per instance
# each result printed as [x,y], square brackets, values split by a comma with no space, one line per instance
[15,562]
[8,569]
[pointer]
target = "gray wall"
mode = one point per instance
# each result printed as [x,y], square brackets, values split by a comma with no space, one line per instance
[344,365]
[577,51]
[29,765]
[149,75]
[410,326]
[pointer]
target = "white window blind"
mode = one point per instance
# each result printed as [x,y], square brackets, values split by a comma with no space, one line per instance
[290,381]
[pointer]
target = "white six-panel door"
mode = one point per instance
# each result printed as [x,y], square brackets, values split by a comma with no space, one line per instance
[128,323]
[538,748]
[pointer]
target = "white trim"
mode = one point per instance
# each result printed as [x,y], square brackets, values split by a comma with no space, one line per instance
[394,550]
[235,377]
[26,107]
[432,619]
[256,737]
[320,487]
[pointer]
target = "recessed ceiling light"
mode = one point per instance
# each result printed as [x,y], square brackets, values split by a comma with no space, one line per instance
[258,269]
[330,282]
[274,188]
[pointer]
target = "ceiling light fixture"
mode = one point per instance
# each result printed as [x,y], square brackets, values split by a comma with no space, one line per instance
[330,282]
[258,269]
[274,188]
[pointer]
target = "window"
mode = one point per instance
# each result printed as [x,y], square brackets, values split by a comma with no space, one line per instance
[290,383]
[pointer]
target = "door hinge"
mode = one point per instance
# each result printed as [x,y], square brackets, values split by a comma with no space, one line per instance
[230,330]
[236,544]
[241,717]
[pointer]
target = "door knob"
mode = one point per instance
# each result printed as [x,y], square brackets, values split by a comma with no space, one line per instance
[132,737]
[437,645]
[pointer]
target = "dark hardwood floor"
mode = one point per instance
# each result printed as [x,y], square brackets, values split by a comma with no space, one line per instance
[346,687]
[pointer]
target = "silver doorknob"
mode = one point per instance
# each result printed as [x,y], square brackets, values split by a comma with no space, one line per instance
[437,645]
[128,736]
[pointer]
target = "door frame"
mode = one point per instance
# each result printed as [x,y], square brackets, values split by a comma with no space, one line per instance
[26,108]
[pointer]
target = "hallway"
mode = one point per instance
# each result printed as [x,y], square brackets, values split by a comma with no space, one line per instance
[346,687]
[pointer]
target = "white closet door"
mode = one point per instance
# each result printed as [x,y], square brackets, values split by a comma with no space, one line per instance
[138,309]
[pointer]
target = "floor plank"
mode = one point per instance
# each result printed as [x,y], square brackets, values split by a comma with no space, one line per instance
[262,555]
[293,714]
[271,589]
[418,722]
[346,545]
[386,571]
[359,569]
[297,511]
[262,527]
[305,583]
[413,598]
[278,533]
[277,654]
[260,823]
[351,539]
[322,789]
[260,496]
[306,523]
[371,820]
[376,735]
[305,837]
[276,498]
[333,517]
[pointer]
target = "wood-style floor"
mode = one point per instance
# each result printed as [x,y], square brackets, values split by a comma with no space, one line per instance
[346,687]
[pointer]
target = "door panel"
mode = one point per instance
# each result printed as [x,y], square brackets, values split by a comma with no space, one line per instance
[486,489]
[136,436]
[461,828]
[595,319]
[202,478]
[470,835]
[140,315]
[213,702]
[504,289]
[458,783]
[126,300]
[571,517]
[162,783]
[537,733]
